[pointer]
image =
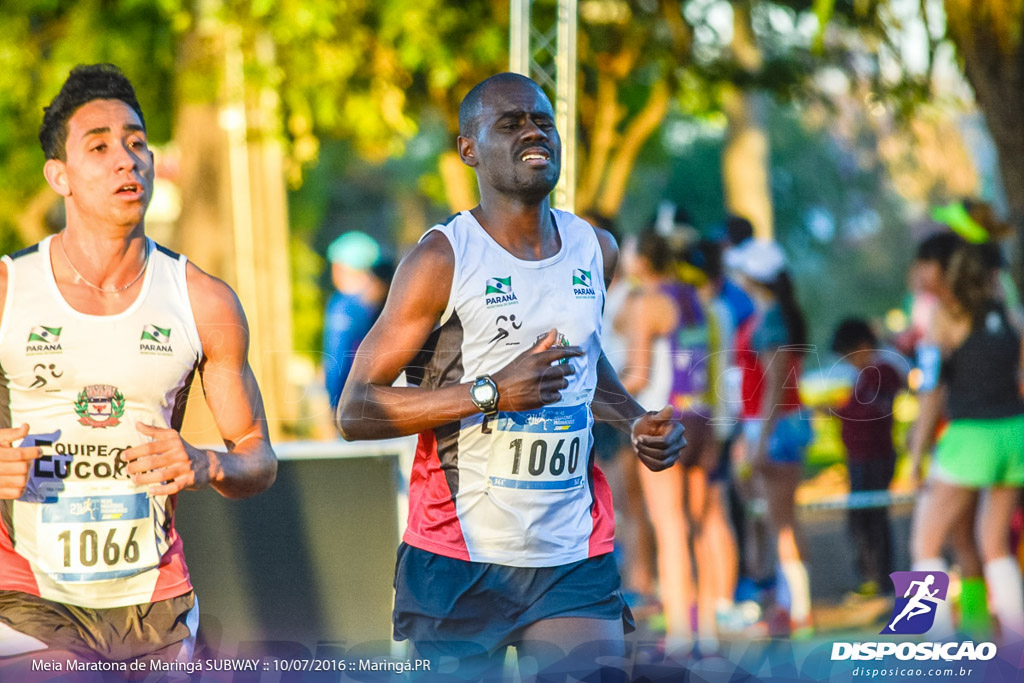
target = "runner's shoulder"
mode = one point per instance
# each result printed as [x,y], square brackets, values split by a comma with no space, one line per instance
[433,251]
[609,251]
[425,275]
[212,299]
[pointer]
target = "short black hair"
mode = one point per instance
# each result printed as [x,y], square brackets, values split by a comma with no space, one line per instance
[939,248]
[655,248]
[469,110]
[738,229]
[851,334]
[85,83]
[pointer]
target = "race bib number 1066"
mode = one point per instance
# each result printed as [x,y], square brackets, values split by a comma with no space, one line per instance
[93,538]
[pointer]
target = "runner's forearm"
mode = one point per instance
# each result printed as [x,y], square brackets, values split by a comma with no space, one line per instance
[612,403]
[248,467]
[369,411]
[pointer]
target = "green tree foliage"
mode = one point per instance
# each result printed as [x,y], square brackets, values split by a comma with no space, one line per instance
[386,76]
[359,70]
[910,42]
[837,214]
[42,41]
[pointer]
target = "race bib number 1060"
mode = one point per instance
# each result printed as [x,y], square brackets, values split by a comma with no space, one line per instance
[545,449]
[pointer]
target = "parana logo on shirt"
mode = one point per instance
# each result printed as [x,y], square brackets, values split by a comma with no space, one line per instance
[43,339]
[583,284]
[156,340]
[499,292]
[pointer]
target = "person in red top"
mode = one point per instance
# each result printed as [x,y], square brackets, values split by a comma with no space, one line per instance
[775,430]
[867,421]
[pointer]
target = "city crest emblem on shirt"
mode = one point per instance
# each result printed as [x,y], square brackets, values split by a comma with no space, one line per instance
[583,284]
[499,292]
[100,406]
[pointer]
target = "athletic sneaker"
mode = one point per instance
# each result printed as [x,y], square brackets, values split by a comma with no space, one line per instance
[736,619]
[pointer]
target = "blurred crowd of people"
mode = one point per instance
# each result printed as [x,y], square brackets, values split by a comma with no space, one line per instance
[713,328]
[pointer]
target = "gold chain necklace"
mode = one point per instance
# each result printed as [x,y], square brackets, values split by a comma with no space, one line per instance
[145,262]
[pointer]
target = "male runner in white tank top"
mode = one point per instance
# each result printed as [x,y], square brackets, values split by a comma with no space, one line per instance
[496,318]
[101,333]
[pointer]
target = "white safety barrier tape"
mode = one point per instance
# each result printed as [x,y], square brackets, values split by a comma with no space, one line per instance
[858,500]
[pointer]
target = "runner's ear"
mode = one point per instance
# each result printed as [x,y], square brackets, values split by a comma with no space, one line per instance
[56,176]
[467,151]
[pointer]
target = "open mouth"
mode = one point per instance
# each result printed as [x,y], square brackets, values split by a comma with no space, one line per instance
[129,188]
[536,157]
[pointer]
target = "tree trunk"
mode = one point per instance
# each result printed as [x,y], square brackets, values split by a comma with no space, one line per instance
[204,226]
[636,135]
[234,221]
[987,37]
[203,230]
[745,162]
[603,138]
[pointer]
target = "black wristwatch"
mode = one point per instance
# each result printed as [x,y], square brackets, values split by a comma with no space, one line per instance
[484,393]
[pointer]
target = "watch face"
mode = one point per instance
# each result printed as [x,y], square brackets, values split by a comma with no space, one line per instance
[483,392]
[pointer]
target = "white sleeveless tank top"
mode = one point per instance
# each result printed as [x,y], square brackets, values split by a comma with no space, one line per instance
[522,489]
[83,533]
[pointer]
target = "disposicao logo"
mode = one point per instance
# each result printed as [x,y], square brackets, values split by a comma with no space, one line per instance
[918,594]
[914,612]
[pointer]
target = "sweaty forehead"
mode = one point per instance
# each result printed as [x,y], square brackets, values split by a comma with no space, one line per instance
[514,97]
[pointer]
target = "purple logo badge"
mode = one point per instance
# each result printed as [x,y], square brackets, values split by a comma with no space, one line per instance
[917,596]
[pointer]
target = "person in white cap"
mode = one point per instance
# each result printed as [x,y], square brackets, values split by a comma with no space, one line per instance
[769,349]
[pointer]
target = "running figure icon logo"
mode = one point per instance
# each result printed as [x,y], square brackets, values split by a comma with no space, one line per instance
[917,595]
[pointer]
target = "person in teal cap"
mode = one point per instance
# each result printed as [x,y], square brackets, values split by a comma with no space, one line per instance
[361,276]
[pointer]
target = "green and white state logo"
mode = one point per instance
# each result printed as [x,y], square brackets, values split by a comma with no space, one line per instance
[583,284]
[43,339]
[498,292]
[100,406]
[156,340]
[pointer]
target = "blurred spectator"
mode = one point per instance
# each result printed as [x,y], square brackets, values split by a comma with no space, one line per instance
[361,277]
[635,545]
[867,421]
[738,230]
[929,286]
[776,432]
[926,282]
[976,222]
[669,349]
[717,551]
[974,372]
